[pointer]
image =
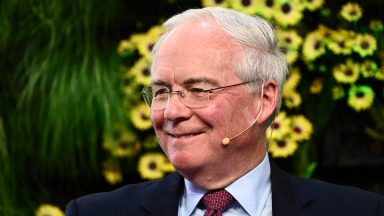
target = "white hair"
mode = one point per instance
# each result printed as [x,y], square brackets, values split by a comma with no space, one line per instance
[260,59]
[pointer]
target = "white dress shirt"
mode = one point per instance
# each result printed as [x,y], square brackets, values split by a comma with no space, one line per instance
[252,193]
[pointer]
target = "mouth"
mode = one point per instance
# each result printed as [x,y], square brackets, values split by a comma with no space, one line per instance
[188,135]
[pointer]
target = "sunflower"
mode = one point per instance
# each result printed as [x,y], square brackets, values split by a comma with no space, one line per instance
[341,42]
[365,44]
[316,85]
[312,5]
[111,172]
[140,116]
[346,72]
[216,3]
[290,39]
[292,81]
[369,68]
[360,97]
[338,92]
[282,148]
[292,99]
[48,210]
[122,143]
[380,74]
[376,25]
[351,12]
[288,13]
[313,46]
[151,142]
[280,126]
[125,48]
[150,166]
[302,128]
[289,43]
[265,8]
[146,43]
[245,6]
[141,72]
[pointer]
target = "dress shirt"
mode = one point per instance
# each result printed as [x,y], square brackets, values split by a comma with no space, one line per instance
[252,193]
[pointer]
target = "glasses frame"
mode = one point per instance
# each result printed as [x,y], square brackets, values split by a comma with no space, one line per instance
[180,93]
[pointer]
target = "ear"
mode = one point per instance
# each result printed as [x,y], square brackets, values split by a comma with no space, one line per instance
[268,99]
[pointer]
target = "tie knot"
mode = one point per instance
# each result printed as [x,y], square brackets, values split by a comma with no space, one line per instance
[217,200]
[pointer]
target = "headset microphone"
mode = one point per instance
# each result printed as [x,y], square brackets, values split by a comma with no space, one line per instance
[227,140]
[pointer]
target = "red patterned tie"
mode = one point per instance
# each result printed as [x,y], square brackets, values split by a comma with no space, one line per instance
[217,201]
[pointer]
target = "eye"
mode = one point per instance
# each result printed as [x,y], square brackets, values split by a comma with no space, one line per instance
[160,92]
[198,92]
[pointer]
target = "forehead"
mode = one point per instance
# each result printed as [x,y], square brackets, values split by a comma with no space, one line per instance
[196,50]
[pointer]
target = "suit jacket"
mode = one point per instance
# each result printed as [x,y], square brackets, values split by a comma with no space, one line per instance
[291,196]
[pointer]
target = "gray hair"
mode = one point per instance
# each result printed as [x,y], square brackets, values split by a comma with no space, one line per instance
[261,59]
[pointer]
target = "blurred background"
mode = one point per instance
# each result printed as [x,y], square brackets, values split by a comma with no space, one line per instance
[72,120]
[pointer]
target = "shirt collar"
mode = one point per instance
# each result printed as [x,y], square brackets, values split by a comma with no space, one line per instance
[251,190]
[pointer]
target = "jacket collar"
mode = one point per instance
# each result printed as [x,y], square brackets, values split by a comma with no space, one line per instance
[288,198]
[162,198]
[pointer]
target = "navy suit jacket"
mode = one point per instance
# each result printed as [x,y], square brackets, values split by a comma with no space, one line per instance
[291,196]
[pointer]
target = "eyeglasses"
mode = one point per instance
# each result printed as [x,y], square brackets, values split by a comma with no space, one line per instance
[192,97]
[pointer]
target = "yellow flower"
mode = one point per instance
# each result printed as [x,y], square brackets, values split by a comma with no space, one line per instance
[316,85]
[288,12]
[365,44]
[151,166]
[122,143]
[292,81]
[292,99]
[302,128]
[380,74]
[341,42]
[313,46]
[265,8]
[280,127]
[48,210]
[346,72]
[351,12]
[148,39]
[360,97]
[338,92]
[111,172]
[140,116]
[290,39]
[282,148]
[216,3]
[369,68]
[125,47]
[141,72]
[376,25]
[313,5]
[289,42]
[248,7]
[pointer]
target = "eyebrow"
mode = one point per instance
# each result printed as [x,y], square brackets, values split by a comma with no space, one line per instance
[189,81]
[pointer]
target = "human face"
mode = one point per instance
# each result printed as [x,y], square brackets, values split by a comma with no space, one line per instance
[200,54]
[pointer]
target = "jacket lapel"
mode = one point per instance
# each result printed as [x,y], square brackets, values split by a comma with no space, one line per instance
[288,199]
[162,198]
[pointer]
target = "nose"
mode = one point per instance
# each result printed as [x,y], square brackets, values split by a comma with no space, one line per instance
[176,109]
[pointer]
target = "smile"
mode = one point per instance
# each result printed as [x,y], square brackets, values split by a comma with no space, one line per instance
[185,135]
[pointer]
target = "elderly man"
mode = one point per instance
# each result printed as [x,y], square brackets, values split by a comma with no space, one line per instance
[216,86]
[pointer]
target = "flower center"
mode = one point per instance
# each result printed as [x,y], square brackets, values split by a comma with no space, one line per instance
[152,165]
[269,3]
[364,44]
[282,143]
[246,2]
[287,8]
[297,130]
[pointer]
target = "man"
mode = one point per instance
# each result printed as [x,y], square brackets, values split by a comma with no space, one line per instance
[216,86]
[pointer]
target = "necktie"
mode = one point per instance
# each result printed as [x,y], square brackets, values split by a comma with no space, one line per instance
[217,201]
